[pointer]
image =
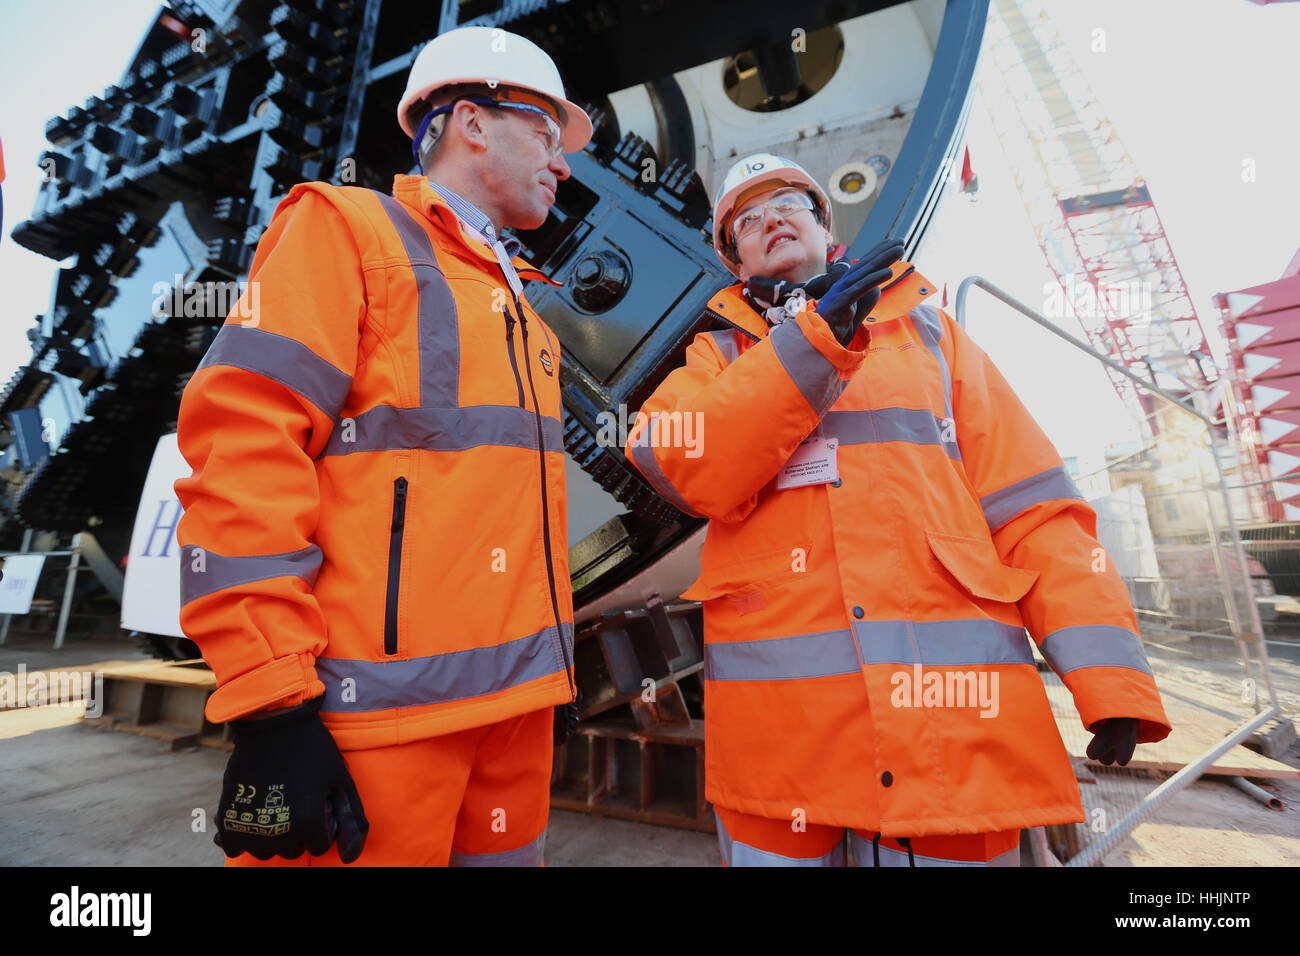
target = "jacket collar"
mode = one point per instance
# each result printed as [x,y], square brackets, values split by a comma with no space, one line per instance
[902,293]
[414,192]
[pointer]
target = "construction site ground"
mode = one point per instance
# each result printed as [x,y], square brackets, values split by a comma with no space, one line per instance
[76,795]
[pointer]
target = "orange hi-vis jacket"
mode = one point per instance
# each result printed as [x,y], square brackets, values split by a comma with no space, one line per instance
[377,506]
[866,663]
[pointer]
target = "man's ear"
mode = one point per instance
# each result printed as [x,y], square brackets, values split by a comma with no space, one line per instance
[468,119]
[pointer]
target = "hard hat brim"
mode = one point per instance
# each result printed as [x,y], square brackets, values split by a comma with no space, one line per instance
[725,207]
[577,124]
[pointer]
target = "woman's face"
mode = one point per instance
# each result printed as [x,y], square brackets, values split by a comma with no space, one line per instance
[790,246]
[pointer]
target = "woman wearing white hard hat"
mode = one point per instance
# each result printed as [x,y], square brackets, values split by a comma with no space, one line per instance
[885,516]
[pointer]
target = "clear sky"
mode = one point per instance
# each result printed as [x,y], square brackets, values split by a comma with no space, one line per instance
[1193,87]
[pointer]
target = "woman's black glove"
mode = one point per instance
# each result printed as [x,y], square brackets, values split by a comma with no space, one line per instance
[851,299]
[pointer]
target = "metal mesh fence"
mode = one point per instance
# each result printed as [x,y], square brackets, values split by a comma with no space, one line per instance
[1166,505]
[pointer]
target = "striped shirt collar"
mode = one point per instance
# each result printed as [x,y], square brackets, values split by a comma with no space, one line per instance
[474,219]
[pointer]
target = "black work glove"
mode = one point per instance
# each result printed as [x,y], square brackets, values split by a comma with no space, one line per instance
[1113,740]
[566,720]
[287,789]
[851,299]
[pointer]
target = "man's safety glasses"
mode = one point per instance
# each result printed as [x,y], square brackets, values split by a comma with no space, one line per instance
[783,203]
[554,136]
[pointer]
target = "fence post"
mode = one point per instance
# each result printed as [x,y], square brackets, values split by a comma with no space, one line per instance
[68,590]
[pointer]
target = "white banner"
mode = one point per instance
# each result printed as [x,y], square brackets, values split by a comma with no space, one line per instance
[151,597]
[19,584]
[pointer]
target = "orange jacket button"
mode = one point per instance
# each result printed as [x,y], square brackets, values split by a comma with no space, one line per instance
[857,611]
[887,778]
[837,482]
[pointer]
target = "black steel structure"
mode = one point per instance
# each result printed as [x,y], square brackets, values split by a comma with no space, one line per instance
[170,176]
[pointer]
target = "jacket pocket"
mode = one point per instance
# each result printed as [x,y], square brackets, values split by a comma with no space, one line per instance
[397,529]
[974,562]
[749,575]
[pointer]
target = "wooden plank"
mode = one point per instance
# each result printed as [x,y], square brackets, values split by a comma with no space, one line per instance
[689,735]
[171,673]
[41,699]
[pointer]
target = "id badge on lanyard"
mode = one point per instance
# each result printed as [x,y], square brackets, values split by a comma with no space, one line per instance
[814,462]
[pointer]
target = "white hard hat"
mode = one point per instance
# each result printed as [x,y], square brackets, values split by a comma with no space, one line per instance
[743,177]
[493,56]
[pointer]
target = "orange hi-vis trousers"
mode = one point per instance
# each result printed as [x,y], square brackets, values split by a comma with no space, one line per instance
[477,797]
[748,840]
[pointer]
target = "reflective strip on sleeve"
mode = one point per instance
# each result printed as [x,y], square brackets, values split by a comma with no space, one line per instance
[1094,645]
[942,643]
[204,572]
[929,325]
[386,427]
[914,425]
[1003,505]
[864,855]
[782,658]
[727,344]
[282,360]
[735,853]
[643,457]
[812,373]
[439,331]
[530,854]
[456,675]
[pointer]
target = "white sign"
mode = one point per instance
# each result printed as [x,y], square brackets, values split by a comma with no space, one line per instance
[19,584]
[151,595]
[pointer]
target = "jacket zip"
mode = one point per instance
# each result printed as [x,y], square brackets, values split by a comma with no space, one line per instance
[510,347]
[546,510]
[394,565]
[725,321]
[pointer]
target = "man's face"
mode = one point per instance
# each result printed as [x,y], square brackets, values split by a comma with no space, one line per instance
[521,172]
[790,246]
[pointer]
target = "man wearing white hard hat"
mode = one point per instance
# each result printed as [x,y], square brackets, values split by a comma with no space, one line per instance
[886,520]
[375,532]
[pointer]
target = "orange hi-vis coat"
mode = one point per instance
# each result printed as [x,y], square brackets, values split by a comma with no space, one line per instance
[866,663]
[377,506]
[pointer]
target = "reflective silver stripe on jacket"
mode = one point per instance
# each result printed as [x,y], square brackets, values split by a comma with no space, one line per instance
[826,654]
[812,373]
[439,333]
[1094,645]
[644,457]
[204,572]
[916,425]
[455,675]
[387,427]
[782,658]
[942,643]
[1005,503]
[283,360]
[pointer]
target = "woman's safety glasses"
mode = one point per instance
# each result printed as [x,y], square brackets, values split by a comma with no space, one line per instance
[784,203]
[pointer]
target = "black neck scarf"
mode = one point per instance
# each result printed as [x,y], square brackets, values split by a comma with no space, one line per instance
[777,300]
